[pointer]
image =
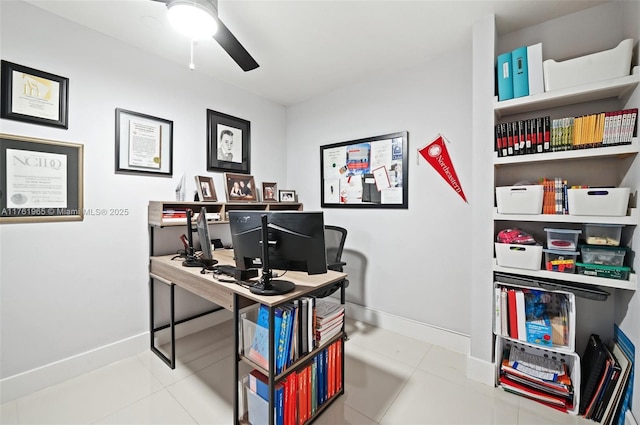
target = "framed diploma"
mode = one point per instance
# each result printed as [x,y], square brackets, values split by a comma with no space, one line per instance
[34,96]
[366,173]
[40,180]
[144,144]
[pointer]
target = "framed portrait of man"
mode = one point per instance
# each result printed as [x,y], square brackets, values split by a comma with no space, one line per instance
[228,140]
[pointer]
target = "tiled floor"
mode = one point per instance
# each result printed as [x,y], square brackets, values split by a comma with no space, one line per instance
[389,379]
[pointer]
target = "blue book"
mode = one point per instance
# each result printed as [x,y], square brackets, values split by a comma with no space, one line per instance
[258,383]
[320,380]
[292,327]
[278,326]
[520,70]
[629,349]
[504,77]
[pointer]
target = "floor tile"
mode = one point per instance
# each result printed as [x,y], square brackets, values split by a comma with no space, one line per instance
[340,413]
[390,344]
[207,395]
[158,408]
[89,397]
[372,381]
[430,399]
[188,364]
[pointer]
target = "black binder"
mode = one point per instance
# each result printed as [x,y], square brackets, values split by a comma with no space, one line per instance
[593,365]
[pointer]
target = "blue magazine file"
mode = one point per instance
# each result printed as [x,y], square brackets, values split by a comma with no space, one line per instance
[629,349]
[505,77]
[520,71]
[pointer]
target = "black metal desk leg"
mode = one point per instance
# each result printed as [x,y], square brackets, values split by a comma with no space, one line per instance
[171,362]
[236,341]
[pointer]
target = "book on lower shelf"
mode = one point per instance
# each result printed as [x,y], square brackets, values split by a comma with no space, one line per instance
[550,378]
[535,315]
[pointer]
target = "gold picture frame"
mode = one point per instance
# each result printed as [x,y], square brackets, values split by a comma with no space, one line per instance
[41,180]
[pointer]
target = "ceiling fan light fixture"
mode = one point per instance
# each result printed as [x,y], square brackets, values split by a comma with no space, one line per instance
[191,19]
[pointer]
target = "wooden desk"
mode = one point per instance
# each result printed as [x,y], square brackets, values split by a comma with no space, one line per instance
[208,287]
[230,296]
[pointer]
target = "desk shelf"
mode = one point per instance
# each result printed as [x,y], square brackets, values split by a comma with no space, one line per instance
[158,216]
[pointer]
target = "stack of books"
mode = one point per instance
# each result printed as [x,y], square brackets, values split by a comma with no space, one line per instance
[605,373]
[540,378]
[329,320]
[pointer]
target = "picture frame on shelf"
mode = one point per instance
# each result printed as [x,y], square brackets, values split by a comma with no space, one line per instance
[240,187]
[33,96]
[287,196]
[228,143]
[269,192]
[144,144]
[206,189]
[36,193]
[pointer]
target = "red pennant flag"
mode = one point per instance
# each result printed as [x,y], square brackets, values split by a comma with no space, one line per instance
[437,155]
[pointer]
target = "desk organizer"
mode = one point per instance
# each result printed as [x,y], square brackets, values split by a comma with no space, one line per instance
[519,199]
[604,65]
[611,202]
[527,257]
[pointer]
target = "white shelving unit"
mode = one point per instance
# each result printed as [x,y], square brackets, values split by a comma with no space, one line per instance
[567,164]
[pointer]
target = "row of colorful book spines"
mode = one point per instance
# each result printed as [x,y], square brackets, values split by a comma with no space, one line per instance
[603,129]
[299,395]
[555,199]
[523,136]
[289,343]
[541,134]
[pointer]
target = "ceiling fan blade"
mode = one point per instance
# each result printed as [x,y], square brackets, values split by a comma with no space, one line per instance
[233,47]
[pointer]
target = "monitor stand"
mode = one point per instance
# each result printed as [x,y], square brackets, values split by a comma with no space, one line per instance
[267,285]
[191,260]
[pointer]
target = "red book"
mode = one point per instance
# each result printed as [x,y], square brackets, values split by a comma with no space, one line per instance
[513,317]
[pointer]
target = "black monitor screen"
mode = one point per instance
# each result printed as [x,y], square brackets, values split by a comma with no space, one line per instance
[203,234]
[296,240]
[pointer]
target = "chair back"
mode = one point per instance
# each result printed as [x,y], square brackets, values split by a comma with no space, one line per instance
[334,238]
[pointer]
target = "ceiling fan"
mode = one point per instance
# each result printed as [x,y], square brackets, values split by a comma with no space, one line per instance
[189,13]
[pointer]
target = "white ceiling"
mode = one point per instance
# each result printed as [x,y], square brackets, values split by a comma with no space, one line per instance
[309,47]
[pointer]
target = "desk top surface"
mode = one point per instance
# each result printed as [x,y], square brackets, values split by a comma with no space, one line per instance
[172,270]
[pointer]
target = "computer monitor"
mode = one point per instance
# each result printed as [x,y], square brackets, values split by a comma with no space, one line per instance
[295,241]
[205,240]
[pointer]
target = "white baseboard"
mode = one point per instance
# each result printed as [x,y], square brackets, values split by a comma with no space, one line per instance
[448,339]
[33,380]
[37,379]
[481,371]
[629,419]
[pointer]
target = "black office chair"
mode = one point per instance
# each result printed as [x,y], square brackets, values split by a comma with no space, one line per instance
[334,238]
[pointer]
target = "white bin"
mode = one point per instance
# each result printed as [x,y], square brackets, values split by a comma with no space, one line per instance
[611,202]
[612,63]
[527,257]
[519,199]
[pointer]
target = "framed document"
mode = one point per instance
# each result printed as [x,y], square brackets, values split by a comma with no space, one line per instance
[228,140]
[366,173]
[41,180]
[34,96]
[144,144]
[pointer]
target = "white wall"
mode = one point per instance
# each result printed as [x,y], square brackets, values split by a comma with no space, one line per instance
[409,263]
[67,288]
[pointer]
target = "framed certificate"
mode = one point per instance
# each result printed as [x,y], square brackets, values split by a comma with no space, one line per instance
[144,144]
[34,96]
[41,180]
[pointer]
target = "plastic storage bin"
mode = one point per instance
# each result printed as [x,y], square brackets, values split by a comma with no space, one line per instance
[560,261]
[599,201]
[604,65]
[562,239]
[603,234]
[518,256]
[610,272]
[603,255]
[519,199]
